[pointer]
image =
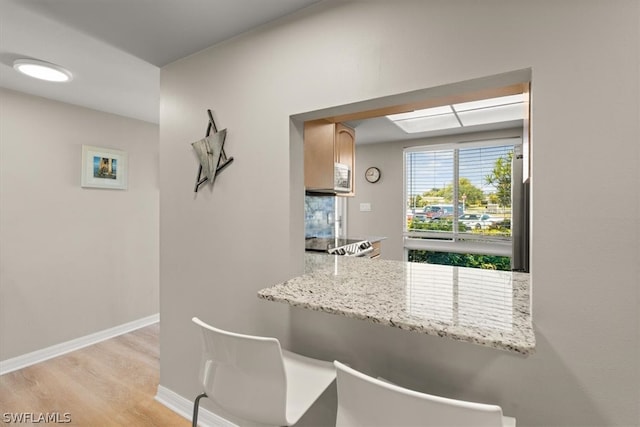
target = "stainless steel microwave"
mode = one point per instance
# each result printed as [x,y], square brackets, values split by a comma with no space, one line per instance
[342,178]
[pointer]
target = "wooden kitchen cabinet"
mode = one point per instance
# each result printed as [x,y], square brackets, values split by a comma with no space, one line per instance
[327,143]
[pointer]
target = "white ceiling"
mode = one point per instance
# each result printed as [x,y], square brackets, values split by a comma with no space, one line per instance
[115,47]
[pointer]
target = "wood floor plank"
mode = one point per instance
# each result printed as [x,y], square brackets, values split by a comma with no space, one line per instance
[111,383]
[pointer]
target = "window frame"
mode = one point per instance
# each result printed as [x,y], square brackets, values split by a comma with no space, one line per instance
[455,241]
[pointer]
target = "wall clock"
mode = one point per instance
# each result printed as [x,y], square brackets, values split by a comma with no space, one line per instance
[372,174]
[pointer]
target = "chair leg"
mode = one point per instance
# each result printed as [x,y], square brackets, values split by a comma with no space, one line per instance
[196,407]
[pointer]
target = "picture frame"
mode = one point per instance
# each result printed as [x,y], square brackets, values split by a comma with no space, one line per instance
[104,168]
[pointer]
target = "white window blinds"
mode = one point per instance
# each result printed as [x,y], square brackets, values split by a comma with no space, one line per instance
[460,192]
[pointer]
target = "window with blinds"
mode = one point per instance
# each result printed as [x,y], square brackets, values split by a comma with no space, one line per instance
[459,198]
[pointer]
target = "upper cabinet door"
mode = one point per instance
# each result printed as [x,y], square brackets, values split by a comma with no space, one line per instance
[345,145]
[327,143]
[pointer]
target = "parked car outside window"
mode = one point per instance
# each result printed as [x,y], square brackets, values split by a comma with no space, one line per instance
[479,221]
[440,211]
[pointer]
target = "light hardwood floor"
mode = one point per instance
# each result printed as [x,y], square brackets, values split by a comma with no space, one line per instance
[112,383]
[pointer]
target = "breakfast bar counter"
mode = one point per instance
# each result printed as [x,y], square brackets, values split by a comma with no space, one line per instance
[484,307]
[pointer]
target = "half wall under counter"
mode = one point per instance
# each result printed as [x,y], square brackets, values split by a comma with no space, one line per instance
[484,307]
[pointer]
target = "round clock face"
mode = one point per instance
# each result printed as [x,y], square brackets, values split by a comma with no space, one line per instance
[372,174]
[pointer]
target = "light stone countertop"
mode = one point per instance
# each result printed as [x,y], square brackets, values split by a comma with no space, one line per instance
[484,307]
[372,239]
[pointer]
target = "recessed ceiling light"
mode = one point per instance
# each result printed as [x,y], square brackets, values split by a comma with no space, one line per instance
[42,70]
[491,102]
[428,123]
[427,112]
[484,111]
[497,114]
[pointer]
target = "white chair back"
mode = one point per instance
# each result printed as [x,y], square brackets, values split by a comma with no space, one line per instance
[244,374]
[367,401]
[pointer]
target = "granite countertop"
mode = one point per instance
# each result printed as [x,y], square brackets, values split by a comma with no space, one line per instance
[372,239]
[484,307]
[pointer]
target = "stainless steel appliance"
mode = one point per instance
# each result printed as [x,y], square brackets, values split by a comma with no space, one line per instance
[339,246]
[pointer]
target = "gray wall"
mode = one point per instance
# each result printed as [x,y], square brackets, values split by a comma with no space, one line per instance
[584,57]
[73,261]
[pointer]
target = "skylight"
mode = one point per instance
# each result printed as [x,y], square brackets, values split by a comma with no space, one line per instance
[493,110]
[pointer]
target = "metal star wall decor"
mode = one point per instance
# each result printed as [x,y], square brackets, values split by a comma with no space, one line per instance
[210,151]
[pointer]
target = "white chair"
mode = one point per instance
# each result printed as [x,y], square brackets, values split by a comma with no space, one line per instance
[254,379]
[367,401]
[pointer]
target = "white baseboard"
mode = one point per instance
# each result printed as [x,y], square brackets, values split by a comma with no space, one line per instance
[56,350]
[184,407]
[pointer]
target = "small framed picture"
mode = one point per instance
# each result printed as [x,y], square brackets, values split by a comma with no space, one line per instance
[104,168]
